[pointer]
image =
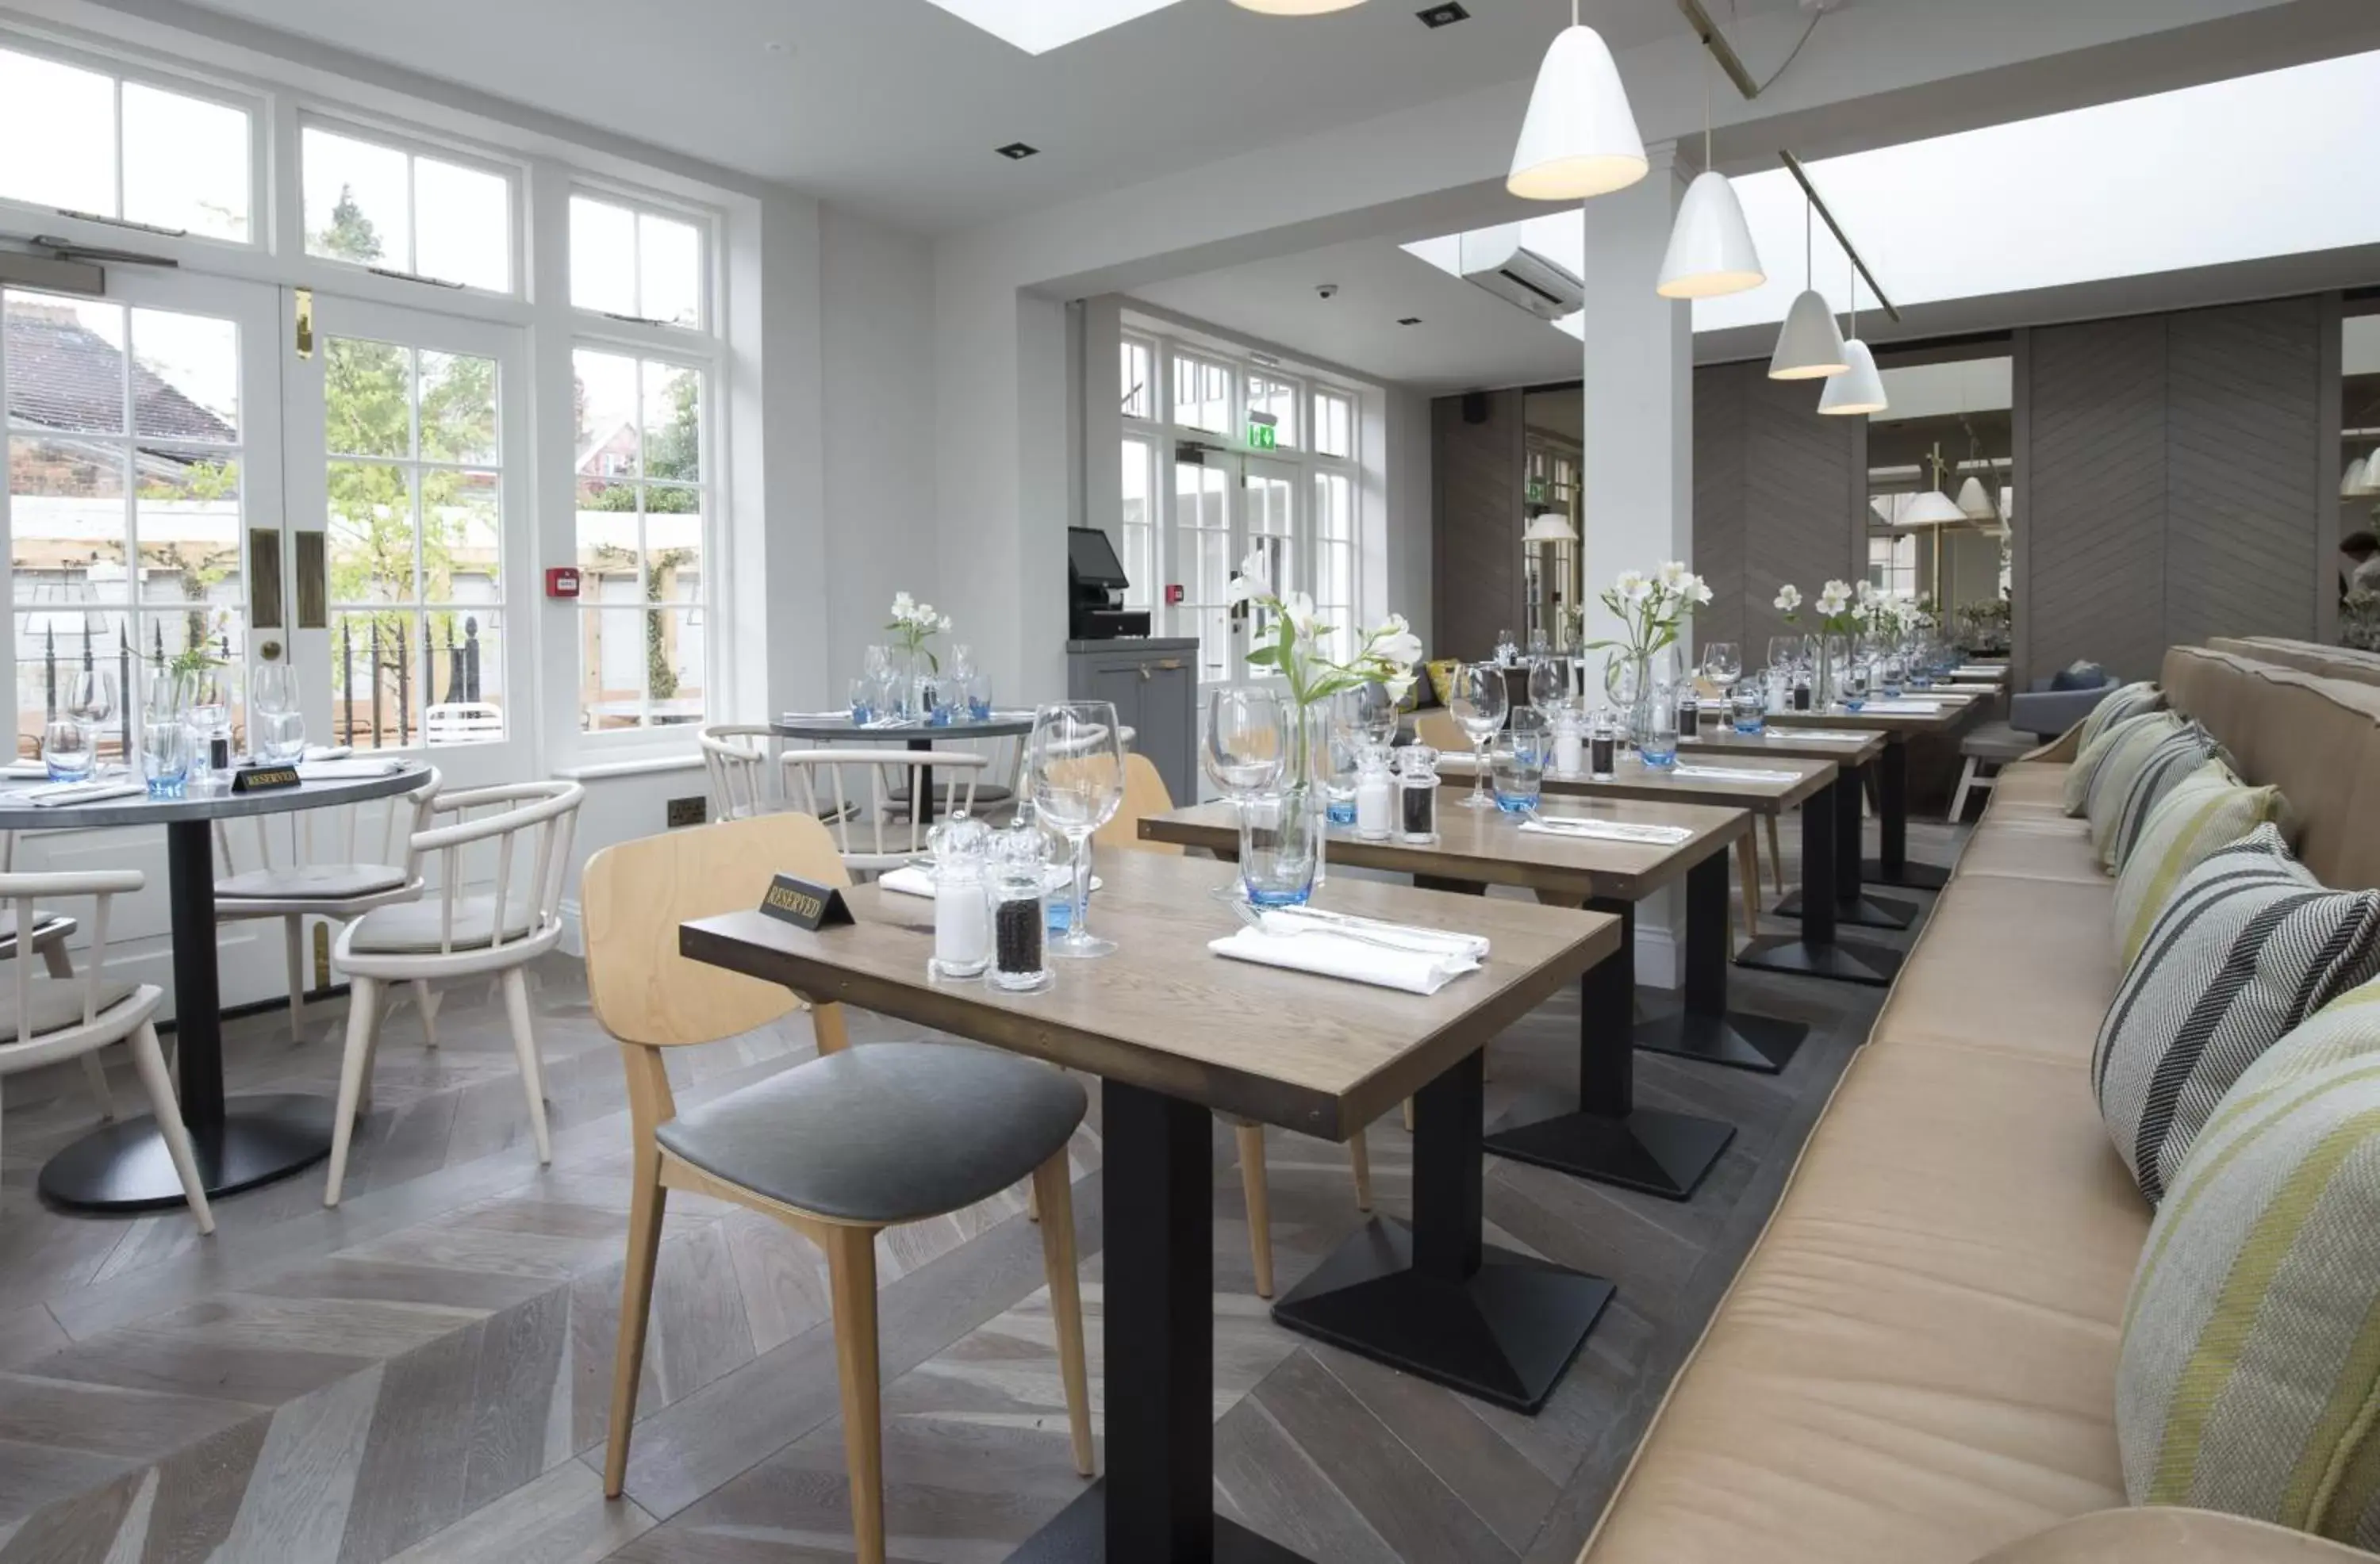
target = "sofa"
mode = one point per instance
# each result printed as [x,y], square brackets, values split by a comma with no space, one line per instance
[1916,1362]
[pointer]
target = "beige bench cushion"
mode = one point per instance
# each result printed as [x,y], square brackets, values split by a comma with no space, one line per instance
[2168,1535]
[2031,786]
[2033,849]
[1917,1364]
[2018,966]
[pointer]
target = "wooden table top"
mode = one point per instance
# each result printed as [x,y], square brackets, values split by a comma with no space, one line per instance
[1777,743]
[1956,712]
[1630,778]
[1488,847]
[1315,1054]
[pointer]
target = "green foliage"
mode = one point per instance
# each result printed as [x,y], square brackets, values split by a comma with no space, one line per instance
[351,236]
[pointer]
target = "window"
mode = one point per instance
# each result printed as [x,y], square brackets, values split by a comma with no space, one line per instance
[124,436]
[1334,425]
[1203,562]
[1202,394]
[628,262]
[384,207]
[416,543]
[1140,523]
[643,501]
[1139,379]
[1276,399]
[1334,558]
[92,144]
[1892,562]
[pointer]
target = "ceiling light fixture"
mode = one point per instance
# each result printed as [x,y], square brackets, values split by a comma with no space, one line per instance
[1859,389]
[1711,253]
[1297,7]
[2360,482]
[1409,321]
[1552,527]
[1975,502]
[1017,152]
[1809,347]
[1579,139]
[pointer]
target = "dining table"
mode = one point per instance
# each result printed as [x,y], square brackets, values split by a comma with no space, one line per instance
[1176,1032]
[1914,714]
[916,734]
[1607,1138]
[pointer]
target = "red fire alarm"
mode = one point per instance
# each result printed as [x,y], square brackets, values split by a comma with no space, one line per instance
[1172,592]
[562,581]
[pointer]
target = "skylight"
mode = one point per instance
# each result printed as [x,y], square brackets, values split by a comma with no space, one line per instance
[1039,26]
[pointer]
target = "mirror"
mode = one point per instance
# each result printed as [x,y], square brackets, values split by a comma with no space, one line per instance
[1941,486]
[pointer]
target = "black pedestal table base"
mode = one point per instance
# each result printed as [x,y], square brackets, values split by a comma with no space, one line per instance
[1079,1536]
[1741,1041]
[1891,866]
[1861,911]
[1846,961]
[123,1166]
[1657,1153]
[1910,875]
[1829,859]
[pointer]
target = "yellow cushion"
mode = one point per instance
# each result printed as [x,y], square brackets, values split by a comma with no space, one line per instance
[1441,678]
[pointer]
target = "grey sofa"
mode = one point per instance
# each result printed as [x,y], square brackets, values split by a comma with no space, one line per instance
[2049,713]
[2035,716]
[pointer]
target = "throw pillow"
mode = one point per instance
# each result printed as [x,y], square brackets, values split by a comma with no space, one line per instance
[2206,810]
[2078,675]
[1441,678]
[2128,700]
[2173,758]
[2113,759]
[2250,1358]
[2248,946]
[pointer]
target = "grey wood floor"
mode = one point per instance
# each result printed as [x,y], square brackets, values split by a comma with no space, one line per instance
[423,1374]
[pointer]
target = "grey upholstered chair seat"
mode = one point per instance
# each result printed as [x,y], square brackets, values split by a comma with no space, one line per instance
[414,928]
[56,1002]
[310,882]
[1998,741]
[884,1132]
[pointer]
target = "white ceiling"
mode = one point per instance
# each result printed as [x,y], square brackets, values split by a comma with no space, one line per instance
[893,107]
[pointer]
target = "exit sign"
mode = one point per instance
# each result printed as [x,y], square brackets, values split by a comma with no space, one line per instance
[1260,432]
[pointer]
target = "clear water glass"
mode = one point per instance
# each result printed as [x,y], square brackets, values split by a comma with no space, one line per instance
[1548,683]
[1477,708]
[165,755]
[1722,665]
[1518,762]
[1279,839]
[1656,744]
[68,748]
[1851,684]
[1076,764]
[863,701]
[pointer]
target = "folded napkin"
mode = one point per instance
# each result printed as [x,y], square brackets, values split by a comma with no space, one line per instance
[1734,773]
[56,794]
[1386,955]
[316,752]
[1608,830]
[26,771]
[349,771]
[1824,735]
[1903,707]
[915,880]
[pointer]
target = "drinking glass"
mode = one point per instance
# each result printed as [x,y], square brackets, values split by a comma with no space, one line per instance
[1077,766]
[1851,684]
[1374,713]
[1782,651]
[164,753]
[863,701]
[1246,750]
[1344,743]
[1656,745]
[1477,708]
[1749,706]
[70,742]
[1548,683]
[1722,665]
[209,718]
[1518,762]
[274,721]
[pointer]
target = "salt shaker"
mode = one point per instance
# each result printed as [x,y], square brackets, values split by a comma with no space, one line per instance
[961,917]
[1019,937]
[1376,802]
[1569,742]
[1418,793]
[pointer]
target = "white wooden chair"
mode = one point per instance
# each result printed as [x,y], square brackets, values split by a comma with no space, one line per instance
[51,932]
[869,830]
[336,870]
[463,722]
[462,933]
[53,1018]
[737,762]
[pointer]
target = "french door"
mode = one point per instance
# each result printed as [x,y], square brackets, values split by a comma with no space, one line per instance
[1227,506]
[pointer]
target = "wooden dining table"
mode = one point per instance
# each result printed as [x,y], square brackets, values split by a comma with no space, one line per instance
[1952,714]
[1176,1032]
[1607,1138]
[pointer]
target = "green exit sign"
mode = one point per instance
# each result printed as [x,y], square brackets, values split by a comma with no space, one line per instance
[1260,432]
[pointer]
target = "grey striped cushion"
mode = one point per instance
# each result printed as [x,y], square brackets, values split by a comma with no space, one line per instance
[2248,946]
[2122,750]
[2128,701]
[2175,757]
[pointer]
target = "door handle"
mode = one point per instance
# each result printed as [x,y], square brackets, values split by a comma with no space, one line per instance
[1145,675]
[1170,665]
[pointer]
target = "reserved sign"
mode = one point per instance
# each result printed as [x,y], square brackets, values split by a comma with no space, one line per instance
[263,779]
[803,904]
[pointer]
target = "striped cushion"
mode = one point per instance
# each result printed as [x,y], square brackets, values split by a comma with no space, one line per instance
[2206,810]
[2248,946]
[2093,756]
[2249,1360]
[2129,745]
[2175,757]
[2130,700]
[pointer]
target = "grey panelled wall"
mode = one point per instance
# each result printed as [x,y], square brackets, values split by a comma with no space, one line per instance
[2171,482]
[1478,479]
[1780,494]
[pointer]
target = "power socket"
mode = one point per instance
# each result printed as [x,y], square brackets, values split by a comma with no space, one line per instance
[691,811]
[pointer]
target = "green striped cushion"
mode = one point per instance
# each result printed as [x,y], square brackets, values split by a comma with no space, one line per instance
[2206,810]
[2093,757]
[2130,745]
[2130,700]
[2248,1376]
[2175,755]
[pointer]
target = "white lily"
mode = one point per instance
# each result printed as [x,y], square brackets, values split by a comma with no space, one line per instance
[1673,575]
[1789,598]
[1631,585]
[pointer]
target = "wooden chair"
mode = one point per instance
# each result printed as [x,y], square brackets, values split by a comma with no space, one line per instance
[877,834]
[1145,793]
[336,870]
[461,934]
[66,1017]
[1438,729]
[838,1148]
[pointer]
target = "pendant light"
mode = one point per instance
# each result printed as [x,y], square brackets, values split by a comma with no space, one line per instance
[1579,139]
[1711,253]
[2360,482]
[1931,508]
[1552,527]
[1297,7]
[1809,347]
[1975,502]
[1859,389]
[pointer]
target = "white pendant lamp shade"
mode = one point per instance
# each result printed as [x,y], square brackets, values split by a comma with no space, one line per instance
[1579,139]
[1810,346]
[1711,253]
[1931,508]
[1297,7]
[1551,527]
[1858,389]
[1975,502]
[2360,482]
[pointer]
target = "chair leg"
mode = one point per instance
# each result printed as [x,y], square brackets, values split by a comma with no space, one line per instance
[355,1064]
[1959,796]
[425,999]
[1776,856]
[1360,1154]
[1252,1179]
[293,931]
[148,1060]
[1032,1200]
[648,1202]
[1409,1116]
[532,1072]
[58,964]
[1057,1199]
[1747,869]
[851,1271]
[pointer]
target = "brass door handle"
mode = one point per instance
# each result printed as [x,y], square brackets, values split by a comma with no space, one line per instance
[1145,675]
[1171,665]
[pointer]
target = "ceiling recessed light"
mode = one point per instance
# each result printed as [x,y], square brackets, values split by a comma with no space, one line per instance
[1442,15]
[1016,151]
[1409,321]
[778,46]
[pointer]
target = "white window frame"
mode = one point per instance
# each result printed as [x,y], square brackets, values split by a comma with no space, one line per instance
[704,222]
[414,148]
[1154,392]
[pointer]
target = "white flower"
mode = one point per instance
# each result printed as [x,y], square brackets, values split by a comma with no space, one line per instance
[1395,624]
[1789,598]
[1400,685]
[1693,589]
[1298,608]
[1673,575]
[1255,579]
[1398,645]
[945,623]
[1833,598]
[1631,585]
[902,603]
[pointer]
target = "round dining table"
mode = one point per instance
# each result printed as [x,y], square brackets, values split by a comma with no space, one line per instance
[241,1142]
[835,727]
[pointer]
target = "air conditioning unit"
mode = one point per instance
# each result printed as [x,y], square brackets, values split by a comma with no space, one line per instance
[1496,259]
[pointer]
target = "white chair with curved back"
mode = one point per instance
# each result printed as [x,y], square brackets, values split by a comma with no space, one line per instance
[53,1018]
[462,932]
[51,931]
[336,870]
[870,832]
[737,762]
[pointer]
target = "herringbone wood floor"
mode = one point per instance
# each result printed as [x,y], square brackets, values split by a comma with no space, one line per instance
[423,1373]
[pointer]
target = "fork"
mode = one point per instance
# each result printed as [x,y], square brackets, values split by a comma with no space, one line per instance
[1254,918]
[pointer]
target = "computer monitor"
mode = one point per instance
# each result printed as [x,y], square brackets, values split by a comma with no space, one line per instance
[1092,559]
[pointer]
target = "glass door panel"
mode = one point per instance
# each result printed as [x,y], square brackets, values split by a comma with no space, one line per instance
[1203,558]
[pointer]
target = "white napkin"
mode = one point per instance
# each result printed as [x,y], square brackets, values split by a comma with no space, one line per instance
[1609,831]
[1903,707]
[913,879]
[349,771]
[26,771]
[50,797]
[1824,735]
[1734,773]
[1426,960]
[319,752]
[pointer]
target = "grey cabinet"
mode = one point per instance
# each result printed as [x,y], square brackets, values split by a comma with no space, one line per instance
[1154,685]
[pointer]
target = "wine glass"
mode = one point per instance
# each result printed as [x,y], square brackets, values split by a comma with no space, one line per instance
[91,701]
[1478,707]
[273,718]
[1246,750]
[1373,713]
[1722,665]
[1548,683]
[1077,766]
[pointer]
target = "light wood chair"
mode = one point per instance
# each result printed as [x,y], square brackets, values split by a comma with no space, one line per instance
[1438,729]
[876,834]
[1145,793]
[65,1017]
[924,1128]
[336,870]
[462,933]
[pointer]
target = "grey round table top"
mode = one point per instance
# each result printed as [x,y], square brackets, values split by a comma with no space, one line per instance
[18,815]
[838,729]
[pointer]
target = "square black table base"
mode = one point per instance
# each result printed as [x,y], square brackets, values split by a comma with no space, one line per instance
[1741,1041]
[1079,1535]
[1504,1334]
[1657,1153]
[1846,961]
[1911,875]
[123,1166]
[1862,912]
